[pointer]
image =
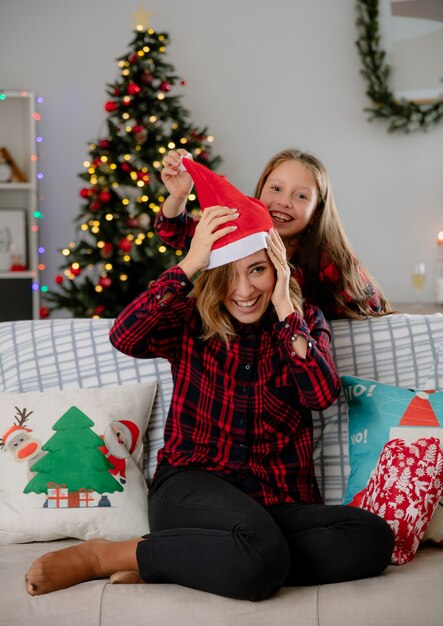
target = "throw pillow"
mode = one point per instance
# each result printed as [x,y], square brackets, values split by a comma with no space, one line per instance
[404,490]
[378,413]
[71,463]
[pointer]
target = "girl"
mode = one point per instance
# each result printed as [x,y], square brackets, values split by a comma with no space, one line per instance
[296,189]
[234,507]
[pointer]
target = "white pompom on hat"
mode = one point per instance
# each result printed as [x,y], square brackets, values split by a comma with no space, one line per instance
[253,223]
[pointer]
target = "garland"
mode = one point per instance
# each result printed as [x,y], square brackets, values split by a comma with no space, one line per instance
[402,115]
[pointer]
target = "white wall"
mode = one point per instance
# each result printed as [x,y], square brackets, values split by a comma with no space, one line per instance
[262,75]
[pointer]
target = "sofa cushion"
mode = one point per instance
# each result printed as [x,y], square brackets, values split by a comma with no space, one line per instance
[71,463]
[404,490]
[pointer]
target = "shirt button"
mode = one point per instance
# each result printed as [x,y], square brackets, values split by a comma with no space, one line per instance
[244,390]
[182,283]
[309,344]
[286,325]
[247,367]
[292,353]
[158,296]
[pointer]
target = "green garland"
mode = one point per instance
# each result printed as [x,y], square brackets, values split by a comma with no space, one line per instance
[402,115]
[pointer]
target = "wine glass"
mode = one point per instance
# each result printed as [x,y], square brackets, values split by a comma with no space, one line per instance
[418,278]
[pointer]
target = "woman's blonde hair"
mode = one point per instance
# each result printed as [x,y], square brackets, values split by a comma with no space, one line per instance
[210,290]
[326,233]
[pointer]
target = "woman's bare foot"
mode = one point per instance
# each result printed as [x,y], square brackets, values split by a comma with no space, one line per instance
[89,560]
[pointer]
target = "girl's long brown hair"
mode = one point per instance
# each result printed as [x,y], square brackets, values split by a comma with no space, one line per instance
[210,290]
[325,232]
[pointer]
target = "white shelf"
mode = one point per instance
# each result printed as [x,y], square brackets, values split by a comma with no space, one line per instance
[19,299]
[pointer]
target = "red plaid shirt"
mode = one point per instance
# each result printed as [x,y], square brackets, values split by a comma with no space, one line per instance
[243,410]
[177,232]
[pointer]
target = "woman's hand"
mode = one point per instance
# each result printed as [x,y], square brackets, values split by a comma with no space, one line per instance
[277,253]
[206,234]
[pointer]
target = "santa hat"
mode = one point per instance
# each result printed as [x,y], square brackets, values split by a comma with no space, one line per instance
[131,434]
[253,223]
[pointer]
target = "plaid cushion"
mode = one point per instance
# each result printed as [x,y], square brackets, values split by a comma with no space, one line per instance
[403,350]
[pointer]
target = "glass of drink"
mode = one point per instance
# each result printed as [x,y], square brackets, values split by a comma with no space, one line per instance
[418,278]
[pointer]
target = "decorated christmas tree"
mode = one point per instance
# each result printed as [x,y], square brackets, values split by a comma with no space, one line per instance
[116,252]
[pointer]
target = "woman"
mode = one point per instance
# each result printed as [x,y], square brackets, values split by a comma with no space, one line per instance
[234,507]
[296,189]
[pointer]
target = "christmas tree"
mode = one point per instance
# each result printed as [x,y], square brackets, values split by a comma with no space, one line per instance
[65,461]
[116,253]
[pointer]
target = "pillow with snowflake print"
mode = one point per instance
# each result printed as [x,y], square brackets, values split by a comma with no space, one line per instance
[404,489]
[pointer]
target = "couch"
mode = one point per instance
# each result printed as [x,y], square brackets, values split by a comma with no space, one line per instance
[402,350]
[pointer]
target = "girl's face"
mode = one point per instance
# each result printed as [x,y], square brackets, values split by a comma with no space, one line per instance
[251,289]
[291,195]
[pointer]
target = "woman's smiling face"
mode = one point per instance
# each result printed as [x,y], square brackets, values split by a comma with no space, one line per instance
[252,287]
[291,195]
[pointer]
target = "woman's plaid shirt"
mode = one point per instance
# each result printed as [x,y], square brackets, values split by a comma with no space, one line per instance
[242,410]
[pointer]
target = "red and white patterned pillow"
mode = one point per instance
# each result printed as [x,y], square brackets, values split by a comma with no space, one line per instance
[404,489]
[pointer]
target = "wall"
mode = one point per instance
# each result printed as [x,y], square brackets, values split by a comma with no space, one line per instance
[262,75]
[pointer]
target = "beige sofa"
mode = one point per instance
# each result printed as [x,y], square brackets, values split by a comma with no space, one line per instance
[401,350]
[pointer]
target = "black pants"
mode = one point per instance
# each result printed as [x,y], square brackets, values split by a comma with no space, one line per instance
[209,535]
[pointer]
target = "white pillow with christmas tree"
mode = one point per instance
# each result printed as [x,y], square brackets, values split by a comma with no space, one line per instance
[71,463]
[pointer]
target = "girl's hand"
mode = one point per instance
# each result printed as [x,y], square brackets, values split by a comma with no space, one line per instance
[277,253]
[177,182]
[206,234]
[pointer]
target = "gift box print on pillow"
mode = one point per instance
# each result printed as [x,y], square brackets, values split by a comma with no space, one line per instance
[71,463]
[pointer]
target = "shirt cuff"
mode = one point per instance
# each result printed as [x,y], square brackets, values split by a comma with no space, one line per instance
[180,219]
[292,327]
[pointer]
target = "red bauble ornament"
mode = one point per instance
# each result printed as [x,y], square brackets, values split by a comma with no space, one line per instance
[95,205]
[105,144]
[110,106]
[106,251]
[126,101]
[97,162]
[99,309]
[133,58]
[133,89]
[85,192]
[204,155]
[125,245]
[105,282]
[126,167]
[144,176]
[165,86]
[116,91]
[44,312]
[137,129]
[58,279]
[147,78]
[76,271]
[104,197]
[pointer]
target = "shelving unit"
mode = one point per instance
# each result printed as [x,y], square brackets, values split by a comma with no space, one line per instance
[19,293]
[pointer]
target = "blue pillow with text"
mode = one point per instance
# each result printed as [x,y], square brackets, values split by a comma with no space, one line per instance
[379,413]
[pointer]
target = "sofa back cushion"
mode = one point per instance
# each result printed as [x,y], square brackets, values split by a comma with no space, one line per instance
[403,350]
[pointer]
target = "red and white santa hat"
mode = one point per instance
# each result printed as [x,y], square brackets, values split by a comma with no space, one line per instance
[253,223]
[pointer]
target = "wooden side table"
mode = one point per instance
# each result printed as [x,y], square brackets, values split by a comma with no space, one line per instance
[424,308]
